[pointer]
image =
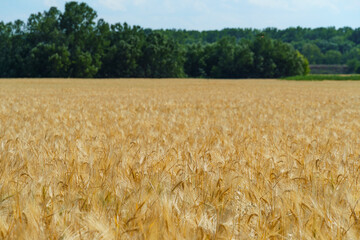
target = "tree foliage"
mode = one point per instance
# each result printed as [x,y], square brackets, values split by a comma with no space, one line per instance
[74,43]
[320,45]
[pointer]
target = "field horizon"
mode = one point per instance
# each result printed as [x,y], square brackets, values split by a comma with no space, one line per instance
[179,159]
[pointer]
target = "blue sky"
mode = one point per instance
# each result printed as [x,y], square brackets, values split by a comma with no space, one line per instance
[206,14]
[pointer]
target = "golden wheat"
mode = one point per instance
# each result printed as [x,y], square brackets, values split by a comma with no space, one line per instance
[179,159]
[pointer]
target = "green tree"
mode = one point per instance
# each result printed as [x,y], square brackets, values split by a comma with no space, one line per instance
[264,65]
[44,27]
[49,60]
[78,24]
[229,59]
[194,65]
[122,56]
[48,57]
[19,50]
[332,57]
[161,58]
[355,36]
[288,61]
[354,65]
[353,60]
[312,53]
[243,61]
[5,49]
[224,51]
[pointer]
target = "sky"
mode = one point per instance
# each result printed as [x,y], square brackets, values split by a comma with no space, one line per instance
[205,14]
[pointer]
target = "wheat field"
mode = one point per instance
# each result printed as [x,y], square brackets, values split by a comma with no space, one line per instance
[179,159]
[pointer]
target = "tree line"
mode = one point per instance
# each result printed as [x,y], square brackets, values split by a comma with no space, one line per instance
[74,43]
[320,45]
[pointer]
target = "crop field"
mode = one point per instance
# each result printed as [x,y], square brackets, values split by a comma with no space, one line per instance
[179,159]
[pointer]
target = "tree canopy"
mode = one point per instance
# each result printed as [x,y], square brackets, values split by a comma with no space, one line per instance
[75,43]
[323,45]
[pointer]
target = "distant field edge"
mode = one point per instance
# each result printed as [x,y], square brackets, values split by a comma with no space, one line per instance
[121,78]
[311,77]
[322,77]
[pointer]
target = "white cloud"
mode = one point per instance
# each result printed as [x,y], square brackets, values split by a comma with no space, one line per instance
[121,4]
[168,5]
[187,6]
[52,3]
[56,3]
[294,5]
[114,4]
[139,2]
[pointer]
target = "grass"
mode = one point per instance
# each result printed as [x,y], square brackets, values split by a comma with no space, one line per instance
[179,159]
[321,77]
